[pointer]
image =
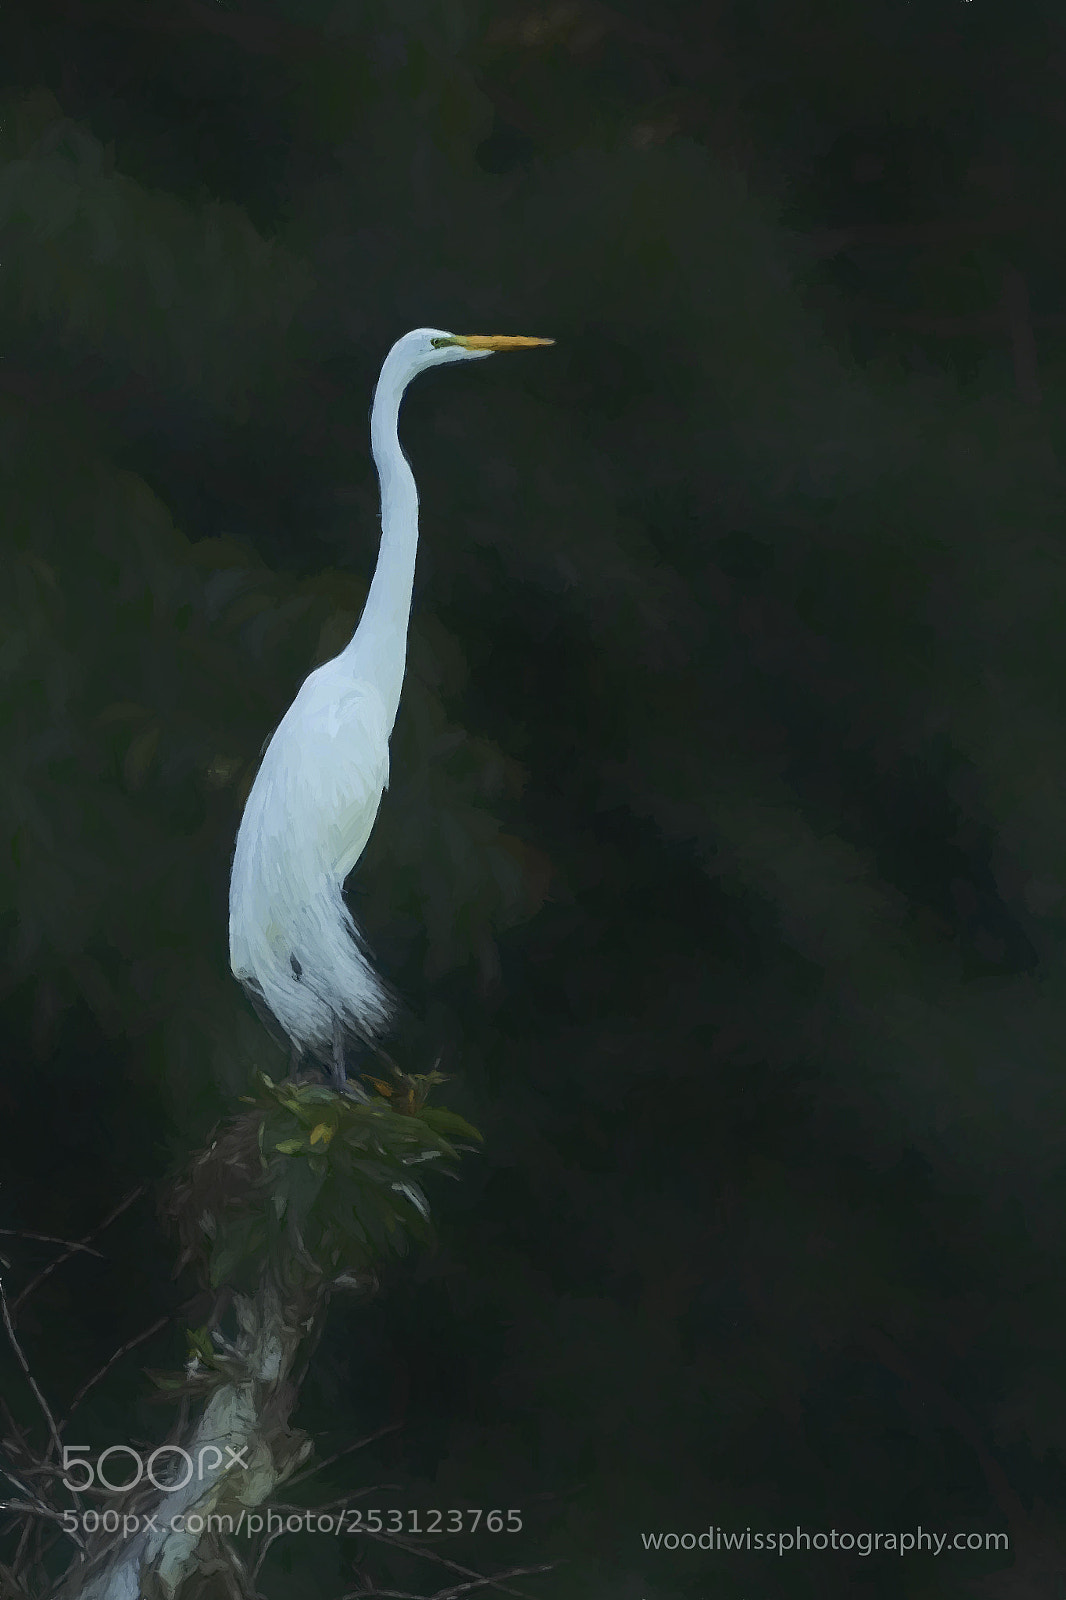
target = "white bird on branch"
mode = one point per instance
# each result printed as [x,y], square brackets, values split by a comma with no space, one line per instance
[293,942]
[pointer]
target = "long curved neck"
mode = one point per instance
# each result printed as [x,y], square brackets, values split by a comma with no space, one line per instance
[378,649]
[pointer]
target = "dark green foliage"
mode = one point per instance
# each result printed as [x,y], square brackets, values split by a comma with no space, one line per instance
[314,1182]
[339,1174]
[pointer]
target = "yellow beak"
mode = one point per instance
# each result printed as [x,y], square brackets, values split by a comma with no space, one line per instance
[498,341]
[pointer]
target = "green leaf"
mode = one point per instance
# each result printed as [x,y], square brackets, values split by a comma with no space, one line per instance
[449,1123]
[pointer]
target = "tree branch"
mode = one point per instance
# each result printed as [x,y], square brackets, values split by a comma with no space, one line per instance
[131,1344]
[448,1594]
[453,1566]
[360,1444]
[246,1420]
[20,1356]
[48,1238]
[46,1272]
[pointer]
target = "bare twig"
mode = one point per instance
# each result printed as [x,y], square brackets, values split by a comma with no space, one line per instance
[24,1364]
[131,1344]
[18,1431]
[341,1500]
[320,1466]
[270,1539]
[312,1342]
[31,1510]
[27,1527]
[46,1272]
[447,1594]
[48,1238]
[327,1505]
[21,1487]
[39,1507]
[244,1579]
[453,1566]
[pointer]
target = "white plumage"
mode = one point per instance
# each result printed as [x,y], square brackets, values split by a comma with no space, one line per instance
[292,937]
[311,810]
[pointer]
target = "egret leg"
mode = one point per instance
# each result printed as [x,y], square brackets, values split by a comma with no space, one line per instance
[294,1059]
[340,1077]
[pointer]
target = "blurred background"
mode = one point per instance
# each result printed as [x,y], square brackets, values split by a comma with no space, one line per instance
[724,862]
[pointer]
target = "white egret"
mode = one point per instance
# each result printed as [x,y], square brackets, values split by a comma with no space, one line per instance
[293,942]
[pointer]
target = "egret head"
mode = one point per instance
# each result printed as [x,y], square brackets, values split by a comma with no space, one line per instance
[431,347]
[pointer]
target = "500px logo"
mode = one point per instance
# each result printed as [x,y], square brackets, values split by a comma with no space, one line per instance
[209,1460]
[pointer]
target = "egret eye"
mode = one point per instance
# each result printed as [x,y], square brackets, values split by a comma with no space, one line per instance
[439,344]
